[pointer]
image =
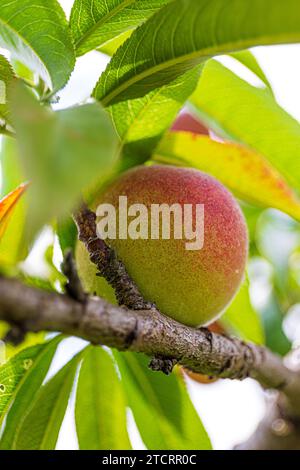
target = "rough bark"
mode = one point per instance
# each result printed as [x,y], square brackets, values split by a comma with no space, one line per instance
[149,332]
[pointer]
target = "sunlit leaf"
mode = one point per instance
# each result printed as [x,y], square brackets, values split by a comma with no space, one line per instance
[30,339]
[12,244]
[6,77]
[40,428]
[249,60]
[21,378]
[239,111]
[141,122]
[36,33]
[67,234]
[183,34]
[23,71]
[12,372]
[95,22]
[162,409]
[100,404]
[7,205]
[110,47]
[88,272]
[245,172]
[293,275]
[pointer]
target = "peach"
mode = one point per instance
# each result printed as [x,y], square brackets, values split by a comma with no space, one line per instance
[191,286]
[186,122]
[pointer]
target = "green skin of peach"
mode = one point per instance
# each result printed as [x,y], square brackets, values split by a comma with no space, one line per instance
[193,287]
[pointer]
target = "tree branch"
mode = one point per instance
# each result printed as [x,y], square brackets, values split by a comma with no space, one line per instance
[149,332]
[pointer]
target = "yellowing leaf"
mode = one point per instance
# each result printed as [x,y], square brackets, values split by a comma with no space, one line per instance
[13,246]
[7,205]
[243,113]
[245,172]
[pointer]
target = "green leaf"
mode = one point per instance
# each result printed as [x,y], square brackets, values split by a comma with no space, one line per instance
[162,409]
[110,47]
[100,404]
[237,110]
[21,378]
[6,77]
[30,339]
[272,317]
[39,283]
[67,234]
[245,172]
[276,238]
[36,33]
[22,71]
[13,247]
[94,22]
[13,371]
[251,214]
[7,207]
[40,428]
[241,318]
[183,34]
[63,153]
[141,122]
[12,172]
[249,60]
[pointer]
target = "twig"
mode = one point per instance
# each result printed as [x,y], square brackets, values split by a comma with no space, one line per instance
[15,336]
[162,364]
[149,332]
[73,286]
[112,269]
